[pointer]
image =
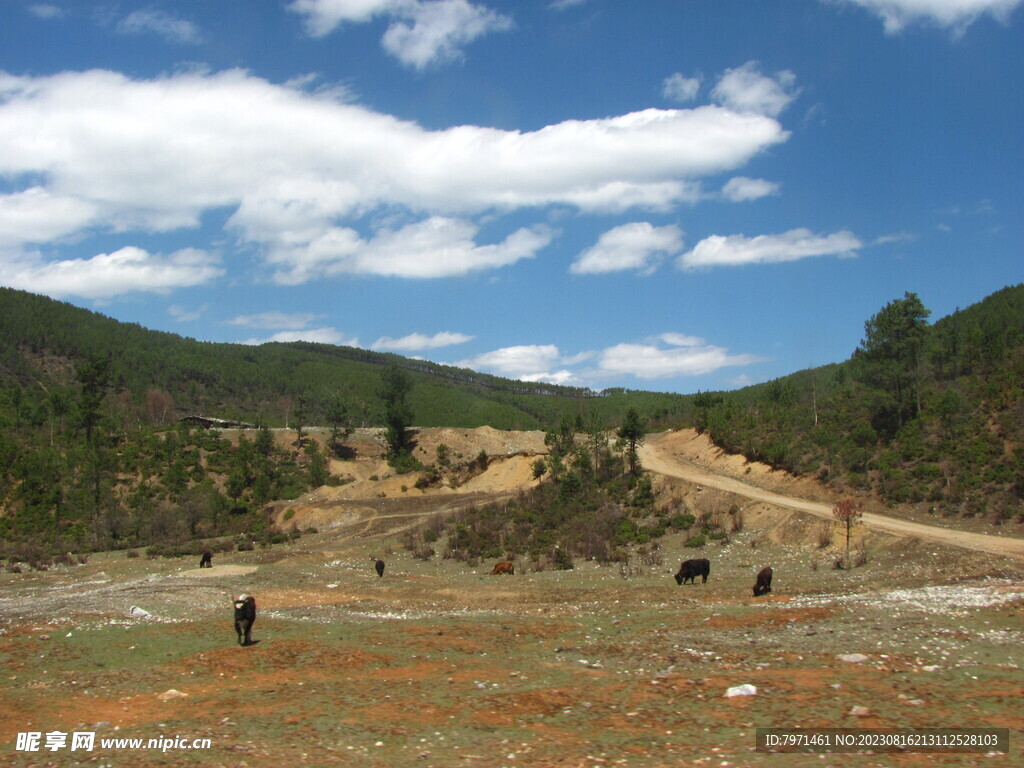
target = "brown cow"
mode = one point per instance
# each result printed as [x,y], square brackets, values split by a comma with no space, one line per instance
[763,585]
[505,567]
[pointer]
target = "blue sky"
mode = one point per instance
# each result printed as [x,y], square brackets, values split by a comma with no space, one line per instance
[673,196]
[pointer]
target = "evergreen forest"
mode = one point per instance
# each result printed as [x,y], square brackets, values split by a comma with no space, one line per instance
[95,451]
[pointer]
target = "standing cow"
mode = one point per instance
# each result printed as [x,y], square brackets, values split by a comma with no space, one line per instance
[763,585]
[245,616]
[379,565]
[206,561]
[691,569]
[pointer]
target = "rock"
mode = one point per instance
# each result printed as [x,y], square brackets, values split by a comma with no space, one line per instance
[853,658]
[859,711]
[741,690]
[171,694]
[138,613]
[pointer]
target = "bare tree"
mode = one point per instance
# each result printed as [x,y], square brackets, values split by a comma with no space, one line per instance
[847,512]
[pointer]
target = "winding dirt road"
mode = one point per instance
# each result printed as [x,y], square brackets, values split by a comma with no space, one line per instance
[656,459]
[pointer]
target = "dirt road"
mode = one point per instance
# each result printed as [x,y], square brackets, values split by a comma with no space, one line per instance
[654,457]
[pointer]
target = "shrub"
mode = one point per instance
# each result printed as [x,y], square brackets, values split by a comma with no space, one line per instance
[696,541]
[683,521]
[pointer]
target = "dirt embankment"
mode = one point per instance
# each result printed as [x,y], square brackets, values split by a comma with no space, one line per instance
[688,456]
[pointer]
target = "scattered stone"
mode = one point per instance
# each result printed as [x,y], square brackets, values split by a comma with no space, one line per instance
[853,658]
[172,694]
[741,690]
[859,711]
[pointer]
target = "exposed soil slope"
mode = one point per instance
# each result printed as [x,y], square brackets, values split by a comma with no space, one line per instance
[676,454]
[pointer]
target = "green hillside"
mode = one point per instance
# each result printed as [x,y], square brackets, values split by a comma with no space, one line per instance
[45,339]
[929,414]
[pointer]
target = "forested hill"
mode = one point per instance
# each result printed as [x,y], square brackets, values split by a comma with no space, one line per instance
[931,414]
[157,377]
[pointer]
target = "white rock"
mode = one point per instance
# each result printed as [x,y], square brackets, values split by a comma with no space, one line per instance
[854,658]
[741,690]
[138,613]
[171,694]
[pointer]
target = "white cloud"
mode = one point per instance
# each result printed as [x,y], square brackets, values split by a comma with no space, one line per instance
[735,250]
[526,362]
[668,355]
[561,5]
[316,335]
[282,320]
[122,155]
[637,246]
[420,33]
[746,90]
[681,340]
[151,20]
[35,215]
[651,361]
[127,270]
[324,16]
[46,11]
[416,342]
[433,248]
[740,189]
[432,32]
[957,15]
[185,315]
[678,87]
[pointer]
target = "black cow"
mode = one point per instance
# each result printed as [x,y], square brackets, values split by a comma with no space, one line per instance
[763,585]
[245,616]
[379,565]
[691,569]
[206,561]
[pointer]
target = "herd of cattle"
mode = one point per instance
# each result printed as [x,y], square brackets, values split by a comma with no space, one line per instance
[689,570]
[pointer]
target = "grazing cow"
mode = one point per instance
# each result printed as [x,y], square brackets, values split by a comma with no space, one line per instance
[763,585]
[245,616]
[379,565]
[691,569]
[505,567]
[206,561]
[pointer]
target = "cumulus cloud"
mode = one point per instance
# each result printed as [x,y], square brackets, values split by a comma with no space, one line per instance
[122,155]
[420,33]
[740,189]
[104,276]
[436,247]
[746,90]
[417,342]
[638,246]
[657,361]
[736,250]
[316,335]
[532,362]
[956,15]
[678,87]
[665,356]
[282,320]
[154,21]
[35,215]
